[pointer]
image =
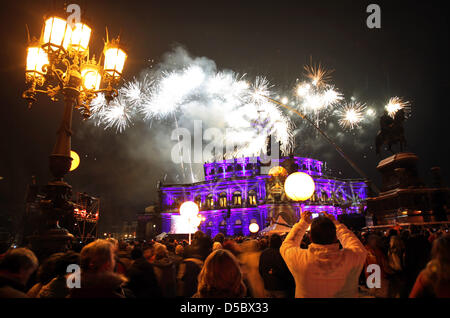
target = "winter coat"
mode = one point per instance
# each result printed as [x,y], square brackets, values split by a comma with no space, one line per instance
[56,288]
[187,276]
[99,285]
[165,274]
[142,280]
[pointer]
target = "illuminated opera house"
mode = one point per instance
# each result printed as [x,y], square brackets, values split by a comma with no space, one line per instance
[241,191]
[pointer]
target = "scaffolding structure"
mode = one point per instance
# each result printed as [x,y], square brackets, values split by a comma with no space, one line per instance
[86,213]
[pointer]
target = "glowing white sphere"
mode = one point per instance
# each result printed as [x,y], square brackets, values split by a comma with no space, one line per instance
[253,227]
[299,186]
[189,209]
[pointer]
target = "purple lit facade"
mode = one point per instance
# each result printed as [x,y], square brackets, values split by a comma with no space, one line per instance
[238,192]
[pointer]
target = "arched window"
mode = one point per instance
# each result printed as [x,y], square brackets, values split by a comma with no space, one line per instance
[237,198]
[324,196]
[210,201]
[252,197]
[253,221]
[223,200]
[198,200]
[238,222]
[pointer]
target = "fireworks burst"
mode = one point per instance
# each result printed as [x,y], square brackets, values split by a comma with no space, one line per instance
[221,99]
[317,74]
[351,115]
[395,104]
[315,96]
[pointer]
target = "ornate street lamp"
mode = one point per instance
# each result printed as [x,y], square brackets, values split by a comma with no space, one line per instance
[58,65]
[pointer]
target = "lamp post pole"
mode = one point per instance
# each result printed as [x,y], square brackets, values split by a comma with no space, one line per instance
[59,63]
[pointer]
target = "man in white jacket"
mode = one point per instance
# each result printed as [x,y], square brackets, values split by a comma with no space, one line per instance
[324,270]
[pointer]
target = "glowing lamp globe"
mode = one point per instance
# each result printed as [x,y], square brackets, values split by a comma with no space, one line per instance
[79,40]
[75,160]
[90,73]
[114,60]
[278,171]
[56,34]
[253,227]
[189,209]
[36,59]
[299,186]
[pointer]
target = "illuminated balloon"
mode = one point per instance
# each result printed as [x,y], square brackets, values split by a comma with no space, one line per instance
[299,186]
[75,160]
[253,227]
[189,209]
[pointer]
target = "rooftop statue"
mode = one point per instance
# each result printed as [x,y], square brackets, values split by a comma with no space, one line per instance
[391,131]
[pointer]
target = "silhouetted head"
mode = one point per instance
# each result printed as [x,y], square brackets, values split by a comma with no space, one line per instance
[275,241]
[323,231]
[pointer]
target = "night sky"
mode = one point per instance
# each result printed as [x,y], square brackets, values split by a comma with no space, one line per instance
[407,57]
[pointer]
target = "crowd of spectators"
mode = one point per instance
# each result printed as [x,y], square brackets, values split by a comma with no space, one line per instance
[318,258]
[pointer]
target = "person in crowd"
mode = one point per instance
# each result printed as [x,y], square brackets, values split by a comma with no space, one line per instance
[232,246]
[57,287]
[216,246]
[417,255]
[396,265]
[434,280]
[220,277]
[278,280]
[263,244]
[45,273]
[98,279]
[201,246]
[177,255]
[141,277]
[324,270]
[135,254]
[164,268]
[187,274]
[123,257]
[377,256]
[219,237]
[249,261]
[16,267]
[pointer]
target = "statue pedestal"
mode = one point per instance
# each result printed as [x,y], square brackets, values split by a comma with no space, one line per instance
[403,197]
[399,171]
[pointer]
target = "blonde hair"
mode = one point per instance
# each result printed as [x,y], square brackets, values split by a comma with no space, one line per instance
[221,276]
[217,246]
[96,254]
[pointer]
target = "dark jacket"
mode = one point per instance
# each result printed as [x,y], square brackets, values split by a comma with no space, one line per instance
[164,269]
[57,288]
[99,285]
[142,280]
[187,276]
[10,288]
[274,272]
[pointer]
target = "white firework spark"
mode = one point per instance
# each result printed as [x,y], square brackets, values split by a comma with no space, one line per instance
[242,108]
[395,104]
[315,96]
[118,114]
[351,114]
